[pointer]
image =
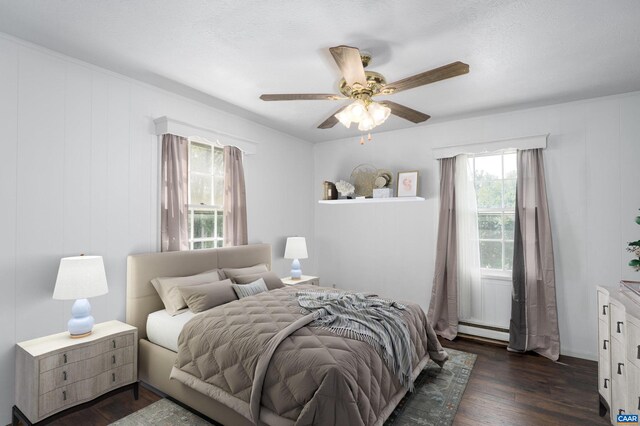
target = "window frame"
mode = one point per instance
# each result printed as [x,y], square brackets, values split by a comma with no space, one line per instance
[491,273]
[193,208]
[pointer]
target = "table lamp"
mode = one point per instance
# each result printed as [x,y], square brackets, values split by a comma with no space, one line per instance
[295,249]
[79,278]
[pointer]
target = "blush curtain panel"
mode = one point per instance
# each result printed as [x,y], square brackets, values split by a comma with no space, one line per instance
[235,198]
[443,308]
[175,193]
[534,315]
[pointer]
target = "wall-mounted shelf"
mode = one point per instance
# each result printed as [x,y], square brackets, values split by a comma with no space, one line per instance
[372,200]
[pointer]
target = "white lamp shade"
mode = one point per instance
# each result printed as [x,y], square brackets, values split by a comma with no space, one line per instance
[80,277]
[296,248]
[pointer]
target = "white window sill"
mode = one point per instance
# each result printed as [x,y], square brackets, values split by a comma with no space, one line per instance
[495,275]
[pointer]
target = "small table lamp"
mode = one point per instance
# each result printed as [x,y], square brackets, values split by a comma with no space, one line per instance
[80,277]
[296,249]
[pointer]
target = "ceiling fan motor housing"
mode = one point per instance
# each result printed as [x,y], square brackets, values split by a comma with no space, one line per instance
[375,84]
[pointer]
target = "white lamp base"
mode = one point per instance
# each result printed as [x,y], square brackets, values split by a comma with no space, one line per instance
[296,271]
[81,323]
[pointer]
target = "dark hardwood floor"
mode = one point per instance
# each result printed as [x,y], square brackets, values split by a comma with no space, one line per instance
[505,389]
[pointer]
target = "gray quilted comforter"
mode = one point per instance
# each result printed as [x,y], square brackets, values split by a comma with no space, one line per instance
[258,356]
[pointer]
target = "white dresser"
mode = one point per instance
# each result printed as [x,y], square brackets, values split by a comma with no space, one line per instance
[618,351]
[56,372]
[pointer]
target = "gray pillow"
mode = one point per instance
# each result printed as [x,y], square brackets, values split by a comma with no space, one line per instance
[167,288]
[236,272]
[271,279]
[246,290]
[206,296]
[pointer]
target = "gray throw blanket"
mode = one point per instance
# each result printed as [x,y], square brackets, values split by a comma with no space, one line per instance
[368,318]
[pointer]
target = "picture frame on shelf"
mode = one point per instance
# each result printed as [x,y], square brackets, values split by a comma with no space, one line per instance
[407,184]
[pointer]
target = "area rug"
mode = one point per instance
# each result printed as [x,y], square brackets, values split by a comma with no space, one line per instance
[434,401]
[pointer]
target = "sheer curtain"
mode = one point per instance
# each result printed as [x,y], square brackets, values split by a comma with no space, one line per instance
[175,193]
[468,244]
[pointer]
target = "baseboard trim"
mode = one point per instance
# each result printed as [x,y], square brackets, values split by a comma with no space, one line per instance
[486,333]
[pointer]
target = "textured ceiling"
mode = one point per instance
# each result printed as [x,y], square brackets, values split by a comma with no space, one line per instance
[227,53]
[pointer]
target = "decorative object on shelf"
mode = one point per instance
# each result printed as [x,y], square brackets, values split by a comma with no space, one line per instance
[79,278]
[345,188]
[363,177]
[384,179]
[295,249]
[329,191]
[634,247]
[382,192]
[408,184]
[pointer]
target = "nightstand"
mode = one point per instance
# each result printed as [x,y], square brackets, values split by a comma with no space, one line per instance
[56,372]
[305,279]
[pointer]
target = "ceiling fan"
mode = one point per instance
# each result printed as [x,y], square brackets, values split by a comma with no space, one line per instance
[362,86]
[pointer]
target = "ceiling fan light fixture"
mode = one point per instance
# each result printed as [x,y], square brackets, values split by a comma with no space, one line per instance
[379,113]
[344,117]
[366,124]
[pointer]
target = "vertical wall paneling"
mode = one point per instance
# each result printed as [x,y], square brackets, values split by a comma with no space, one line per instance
[118,155]
[40,159]
[8,219]
[629,180]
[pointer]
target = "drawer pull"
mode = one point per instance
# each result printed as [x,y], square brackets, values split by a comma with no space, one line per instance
[113,343]
[605,344]
[620,411]
[638,356]
[618,327]
[113,377]
[113,359]
[639,403]
[64,358]
[620,364]
[605,383]
[604,309]
[64,375]
[64,395]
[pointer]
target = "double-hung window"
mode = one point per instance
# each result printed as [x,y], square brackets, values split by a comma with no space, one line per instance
[206,189]
[495,183]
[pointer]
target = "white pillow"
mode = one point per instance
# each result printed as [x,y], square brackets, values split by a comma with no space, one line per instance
[246,290]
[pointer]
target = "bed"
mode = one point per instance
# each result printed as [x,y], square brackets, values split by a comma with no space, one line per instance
[156,363]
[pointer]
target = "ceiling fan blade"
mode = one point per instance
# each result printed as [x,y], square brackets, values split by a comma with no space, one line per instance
[406,112]
[350,64]
[302,97]
[331,121]
[452,70]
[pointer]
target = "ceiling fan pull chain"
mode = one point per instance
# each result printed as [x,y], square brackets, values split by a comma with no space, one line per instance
[369,137]
[361,140]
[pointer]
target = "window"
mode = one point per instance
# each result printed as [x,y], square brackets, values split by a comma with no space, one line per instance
[206,188]
[495,184]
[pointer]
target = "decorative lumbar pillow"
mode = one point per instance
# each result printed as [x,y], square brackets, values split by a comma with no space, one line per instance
[246,290]
[206,296]
[167,288]
[236,272]
[271,279]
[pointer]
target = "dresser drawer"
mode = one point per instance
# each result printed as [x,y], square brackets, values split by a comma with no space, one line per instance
[618,324]
[619,374]
[116,377]
[633,343]
[604,340]
[76,371]
[604,379]
[603,306]
[633,383]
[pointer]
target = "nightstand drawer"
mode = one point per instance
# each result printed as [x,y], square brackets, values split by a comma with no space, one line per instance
[76,371]
[84,390]
[70,356]
[117,342]
[603,306]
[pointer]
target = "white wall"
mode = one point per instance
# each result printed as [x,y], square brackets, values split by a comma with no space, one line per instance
[592,182]
[79,175]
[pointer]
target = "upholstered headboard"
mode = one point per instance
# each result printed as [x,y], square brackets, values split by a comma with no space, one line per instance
[142,298]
